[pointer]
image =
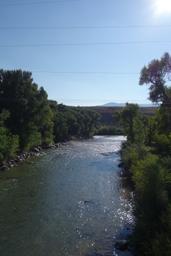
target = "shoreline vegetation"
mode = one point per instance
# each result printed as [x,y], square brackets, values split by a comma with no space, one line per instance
[34,152]
[20,158]
[29,120]
[146,163]
[109,130]
[29,123]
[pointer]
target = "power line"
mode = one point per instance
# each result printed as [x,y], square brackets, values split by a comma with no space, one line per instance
[82,27]
[82,44]
[86,72]
[36,2]
[82,72]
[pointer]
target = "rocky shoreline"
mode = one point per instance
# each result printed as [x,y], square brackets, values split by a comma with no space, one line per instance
[35,152]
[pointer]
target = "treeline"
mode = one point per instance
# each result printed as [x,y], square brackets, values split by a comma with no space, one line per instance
[29,119]
[109,121]
[146,159]
[108,130]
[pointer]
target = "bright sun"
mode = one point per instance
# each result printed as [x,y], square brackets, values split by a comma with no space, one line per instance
[162,7]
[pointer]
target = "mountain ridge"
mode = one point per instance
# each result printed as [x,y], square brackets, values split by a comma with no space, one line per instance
[114,104]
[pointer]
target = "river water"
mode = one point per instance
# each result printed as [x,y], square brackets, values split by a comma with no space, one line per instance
[69,202]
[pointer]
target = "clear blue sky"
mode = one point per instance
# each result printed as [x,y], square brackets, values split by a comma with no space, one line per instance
[85,88]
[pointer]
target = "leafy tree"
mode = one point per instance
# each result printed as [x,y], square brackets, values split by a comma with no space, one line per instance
[128,116]
[8,143]
[30,114]
[152,205]
[156,74]
[147,159]
[31,119]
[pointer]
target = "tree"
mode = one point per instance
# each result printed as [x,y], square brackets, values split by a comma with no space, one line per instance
[146,156]
[128,116]
[152,209]
[8,143]
[30,114]
[157,74]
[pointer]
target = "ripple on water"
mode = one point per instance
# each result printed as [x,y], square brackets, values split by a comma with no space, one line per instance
[76,207]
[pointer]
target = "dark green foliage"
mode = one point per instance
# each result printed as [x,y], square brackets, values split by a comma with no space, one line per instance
[147,159]
[109,130]
[29,119]
[8,143]
[73,122]
[132,153]
[157,74]
[162,143]
[152,204]
[30,114]
[133,124]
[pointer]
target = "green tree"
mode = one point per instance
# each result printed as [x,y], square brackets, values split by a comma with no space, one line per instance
[152,206]
[128,116]
[8,143]
[30,114]
[156,74]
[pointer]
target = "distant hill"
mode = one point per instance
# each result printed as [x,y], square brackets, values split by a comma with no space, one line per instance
[114,104]
[108,114]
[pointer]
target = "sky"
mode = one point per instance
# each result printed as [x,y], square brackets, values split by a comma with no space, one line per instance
[85,52]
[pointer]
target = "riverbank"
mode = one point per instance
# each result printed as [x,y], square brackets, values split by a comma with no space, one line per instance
[35,152]
[20,158]
[69,202]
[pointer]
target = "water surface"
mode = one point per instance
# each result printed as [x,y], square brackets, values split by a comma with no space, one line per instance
[68,202]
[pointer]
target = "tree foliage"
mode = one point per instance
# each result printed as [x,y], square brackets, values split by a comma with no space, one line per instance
[157,74]
[9,143]
[29,119]
[147,158]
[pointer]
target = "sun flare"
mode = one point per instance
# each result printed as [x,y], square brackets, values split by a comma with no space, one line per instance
[162,7]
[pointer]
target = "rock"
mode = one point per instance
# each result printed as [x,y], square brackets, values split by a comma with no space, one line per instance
[12,161]
[88,202]
[32,153]
[11,165]
[53,146]
[120,165]
[48,146]
[23,155]
[4,167]
[94,254]
[36,150]
[16,161]
[121,245]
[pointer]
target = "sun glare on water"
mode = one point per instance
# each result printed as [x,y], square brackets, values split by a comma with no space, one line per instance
[162,7]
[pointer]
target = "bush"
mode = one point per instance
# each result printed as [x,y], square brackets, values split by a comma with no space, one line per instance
[9,144]
[152,204]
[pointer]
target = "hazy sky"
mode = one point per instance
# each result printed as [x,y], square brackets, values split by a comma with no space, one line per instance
[93,70]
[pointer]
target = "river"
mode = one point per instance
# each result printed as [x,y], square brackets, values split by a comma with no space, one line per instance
[68,202]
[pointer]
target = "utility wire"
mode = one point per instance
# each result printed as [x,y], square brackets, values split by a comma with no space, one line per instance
[86,72]
[81,72]
[82,27]
[82,44]
[36,2]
